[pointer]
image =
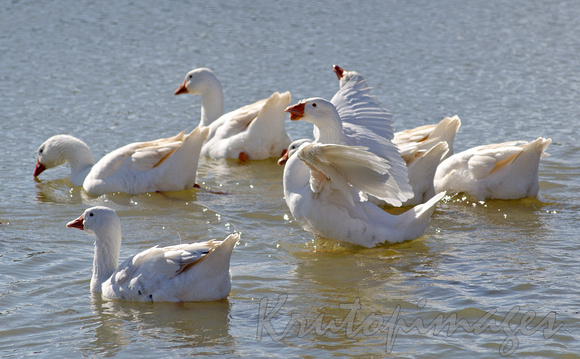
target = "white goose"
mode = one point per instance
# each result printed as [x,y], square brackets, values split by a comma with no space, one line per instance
[167,164]
[506,170]
[256,131]
[422,148]
[326,184]
[179,273]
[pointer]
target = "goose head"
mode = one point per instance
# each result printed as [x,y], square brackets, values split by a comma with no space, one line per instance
[292,148]
[323,115]
[339,71]
[50,154]
[315,110]
[101,222]
[204,83]
[60,149]
[199,82]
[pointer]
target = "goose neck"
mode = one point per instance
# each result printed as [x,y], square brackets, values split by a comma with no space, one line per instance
[106,259]
[212,104]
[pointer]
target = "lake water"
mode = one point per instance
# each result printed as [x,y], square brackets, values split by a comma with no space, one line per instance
[502,275]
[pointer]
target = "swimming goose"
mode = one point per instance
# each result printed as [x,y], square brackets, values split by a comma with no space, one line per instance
[252,132]
[355,118]
[506,170]
[166,164]
[179,273]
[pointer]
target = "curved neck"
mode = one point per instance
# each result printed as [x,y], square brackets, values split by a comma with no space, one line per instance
[212,102]
[106,258]
[80,159]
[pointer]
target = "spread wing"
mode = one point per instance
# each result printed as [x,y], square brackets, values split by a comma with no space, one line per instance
[357,106]
[347,166]
[368,124]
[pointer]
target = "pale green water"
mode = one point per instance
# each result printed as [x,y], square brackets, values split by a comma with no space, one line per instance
[106,73]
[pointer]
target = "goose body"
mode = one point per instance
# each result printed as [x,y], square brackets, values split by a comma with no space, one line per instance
[184,272]
[252,132]
[506,170]
[167,164]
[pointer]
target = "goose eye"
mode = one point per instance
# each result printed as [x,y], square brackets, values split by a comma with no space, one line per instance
[91,214]
[40,151]
[314,104]
[190,76]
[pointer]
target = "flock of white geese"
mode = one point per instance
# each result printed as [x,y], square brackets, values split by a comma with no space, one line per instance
[334,183]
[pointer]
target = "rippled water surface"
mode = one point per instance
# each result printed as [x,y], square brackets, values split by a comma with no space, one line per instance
[501,275]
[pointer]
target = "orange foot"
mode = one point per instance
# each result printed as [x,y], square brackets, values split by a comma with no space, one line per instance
[243,157]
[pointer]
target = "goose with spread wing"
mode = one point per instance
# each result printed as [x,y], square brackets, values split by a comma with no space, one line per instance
[327,183]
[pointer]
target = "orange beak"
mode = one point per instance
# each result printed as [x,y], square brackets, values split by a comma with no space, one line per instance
[282,161]
[339,71]
[181,89]
[38,169]
[77,223]
[296,111]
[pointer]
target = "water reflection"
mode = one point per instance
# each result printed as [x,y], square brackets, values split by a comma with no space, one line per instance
[62,191]
[229,172]
[117,324]
[57,191]
[525,216]
[342,285]
[374,276]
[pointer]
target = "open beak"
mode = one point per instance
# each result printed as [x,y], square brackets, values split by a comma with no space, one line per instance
[282,161]
[38,169]
[339,71]
[181,89]
[77,223]
[296,111]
